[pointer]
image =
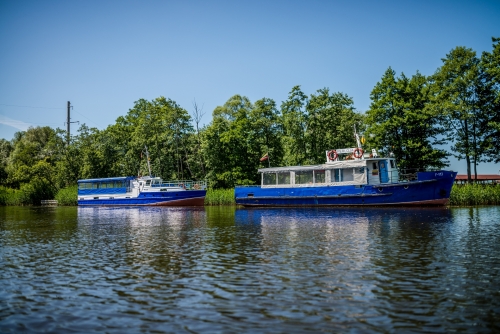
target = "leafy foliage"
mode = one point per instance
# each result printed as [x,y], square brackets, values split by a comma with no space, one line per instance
[400,121]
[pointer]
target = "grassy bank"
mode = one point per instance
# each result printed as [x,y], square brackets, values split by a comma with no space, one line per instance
[475,194]
[220,197]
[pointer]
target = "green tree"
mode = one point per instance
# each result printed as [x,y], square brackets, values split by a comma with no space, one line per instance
[400,121]
[461,94]
[294,122]
[330,123]
[5,150]
[31,164]
[265,135]
[230,155]
[490,62]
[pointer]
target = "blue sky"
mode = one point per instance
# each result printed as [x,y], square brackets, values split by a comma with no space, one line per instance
[104,55]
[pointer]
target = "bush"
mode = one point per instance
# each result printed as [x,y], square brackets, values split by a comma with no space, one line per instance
[10,196]
[36,190]
[67,196]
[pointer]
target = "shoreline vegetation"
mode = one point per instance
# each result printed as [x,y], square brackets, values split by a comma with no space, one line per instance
[461,195]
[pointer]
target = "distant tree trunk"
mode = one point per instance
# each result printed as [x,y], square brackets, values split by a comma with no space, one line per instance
[467,150]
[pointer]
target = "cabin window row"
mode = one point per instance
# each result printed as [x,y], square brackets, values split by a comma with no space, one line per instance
[102,185]
[312,176]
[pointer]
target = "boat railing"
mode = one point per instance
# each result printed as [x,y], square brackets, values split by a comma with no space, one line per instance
[186,184]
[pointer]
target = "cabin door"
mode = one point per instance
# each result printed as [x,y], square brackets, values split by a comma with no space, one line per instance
[383,172]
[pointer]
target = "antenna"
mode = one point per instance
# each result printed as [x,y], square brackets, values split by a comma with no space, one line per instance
[147,158]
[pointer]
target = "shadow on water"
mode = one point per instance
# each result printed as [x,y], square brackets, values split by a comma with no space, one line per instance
[227,269]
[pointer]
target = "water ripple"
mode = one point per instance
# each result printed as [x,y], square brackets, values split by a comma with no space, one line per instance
[260,271]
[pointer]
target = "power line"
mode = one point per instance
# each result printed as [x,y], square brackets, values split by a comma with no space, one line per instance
[14,105]
[86,117]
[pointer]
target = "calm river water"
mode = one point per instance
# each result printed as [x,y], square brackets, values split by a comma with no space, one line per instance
[228,270]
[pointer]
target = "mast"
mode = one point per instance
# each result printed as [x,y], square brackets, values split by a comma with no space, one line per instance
[358,143]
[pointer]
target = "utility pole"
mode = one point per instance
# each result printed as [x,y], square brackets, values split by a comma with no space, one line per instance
[68,122]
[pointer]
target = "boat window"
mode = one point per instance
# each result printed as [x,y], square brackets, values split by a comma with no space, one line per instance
[304,177]
[347,174]
[335,175]
[269,179]
[319,176]
[360,170]
[359,174]
[284,178]
[393,163]
[95,185]
[148,183]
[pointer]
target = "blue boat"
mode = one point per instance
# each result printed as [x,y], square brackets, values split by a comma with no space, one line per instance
[350,177]
[142,190]
[146,190]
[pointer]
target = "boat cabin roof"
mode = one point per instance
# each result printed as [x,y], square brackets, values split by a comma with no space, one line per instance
[107,179]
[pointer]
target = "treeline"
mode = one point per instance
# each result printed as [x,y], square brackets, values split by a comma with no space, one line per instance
[411,116]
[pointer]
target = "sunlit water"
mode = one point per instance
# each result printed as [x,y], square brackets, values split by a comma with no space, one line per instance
[222,269]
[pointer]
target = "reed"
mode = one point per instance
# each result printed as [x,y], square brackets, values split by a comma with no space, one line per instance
[220,197]
[67,196]
[475,194]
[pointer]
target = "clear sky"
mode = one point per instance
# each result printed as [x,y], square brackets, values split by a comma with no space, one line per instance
[104,55]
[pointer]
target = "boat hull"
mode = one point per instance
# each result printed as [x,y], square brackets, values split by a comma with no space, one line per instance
[431,188]
[181,198]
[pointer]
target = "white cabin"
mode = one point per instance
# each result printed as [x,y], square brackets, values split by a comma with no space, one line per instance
[353,170]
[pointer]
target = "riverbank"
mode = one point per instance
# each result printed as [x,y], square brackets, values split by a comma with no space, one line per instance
[461,195]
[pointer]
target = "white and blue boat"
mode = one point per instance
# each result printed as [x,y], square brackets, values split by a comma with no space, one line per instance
[146,190]
[142,190]
[349,177]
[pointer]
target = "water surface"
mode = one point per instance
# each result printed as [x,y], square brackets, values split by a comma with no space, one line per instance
[221,269]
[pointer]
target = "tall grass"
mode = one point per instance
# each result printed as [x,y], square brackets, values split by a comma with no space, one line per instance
[220,197]
[67,196]
[475,194]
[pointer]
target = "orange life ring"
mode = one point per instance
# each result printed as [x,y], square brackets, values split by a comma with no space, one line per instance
[358,153]
[332,155]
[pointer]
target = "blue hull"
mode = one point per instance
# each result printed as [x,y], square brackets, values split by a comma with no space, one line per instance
[431,188]
[171,198]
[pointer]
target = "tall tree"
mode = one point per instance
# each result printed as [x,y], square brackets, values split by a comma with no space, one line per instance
[330,123]
[228,153]
[460,95]
[294,120]
[400,121]
[265,135]
[490,62]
